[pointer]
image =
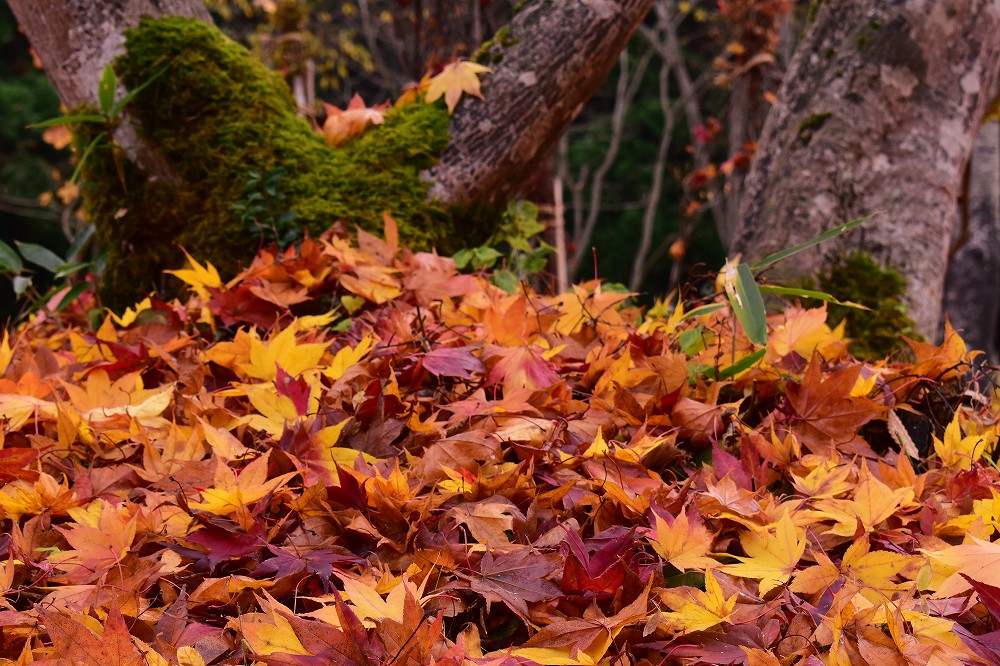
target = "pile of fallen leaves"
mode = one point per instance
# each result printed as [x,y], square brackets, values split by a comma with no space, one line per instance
[353,454]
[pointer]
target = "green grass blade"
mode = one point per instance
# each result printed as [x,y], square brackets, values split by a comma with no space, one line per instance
[825,236]
[748,306]
[809,293]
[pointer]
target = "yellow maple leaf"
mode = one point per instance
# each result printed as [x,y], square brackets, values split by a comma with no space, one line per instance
[200,278]
[683,543]
[770,558]
[805,331]
[965,442]
[978,559]
[828,479]
[232,492]
[268,632]
[365,597]
[817,577]
[456,78]
[697,610]
[283,349]
[6,352]
[347,357]
[873,502]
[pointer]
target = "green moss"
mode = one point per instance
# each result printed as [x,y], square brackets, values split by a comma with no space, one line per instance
[216,116]
[491,51]
[875,333]
[811,125]
[814,10]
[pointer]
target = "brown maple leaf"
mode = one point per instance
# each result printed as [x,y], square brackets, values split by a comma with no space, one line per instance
[515,578]
[827,416]
[74,643]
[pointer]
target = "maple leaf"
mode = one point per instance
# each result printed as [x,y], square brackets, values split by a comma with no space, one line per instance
[344,124]
[79,641]
[873,503]
[682,541]
[978,560]
[965,442]
[695,610]
[601,572]
[13,463]
[456,78]
[582,641]
[100,539]
[232,492]
[941,362]
[770,558]
[827,417]
[805,333]
[515,578]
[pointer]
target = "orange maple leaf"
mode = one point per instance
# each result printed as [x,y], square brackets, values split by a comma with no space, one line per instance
[344,124]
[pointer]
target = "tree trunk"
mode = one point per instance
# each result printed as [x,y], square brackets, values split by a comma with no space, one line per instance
[554,58]
[972,287]
[76,40]
[561,52]
[876,116]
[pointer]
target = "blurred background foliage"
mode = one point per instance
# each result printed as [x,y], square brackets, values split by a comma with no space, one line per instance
[649,174]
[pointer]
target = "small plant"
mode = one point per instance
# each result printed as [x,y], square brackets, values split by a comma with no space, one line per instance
[264,209]
[107,119]
[875,331]
[516,246]
[66,271]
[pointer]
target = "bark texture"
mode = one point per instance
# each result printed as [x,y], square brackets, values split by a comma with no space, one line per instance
[972,287]
[76,39]
[561,52]
[877,115]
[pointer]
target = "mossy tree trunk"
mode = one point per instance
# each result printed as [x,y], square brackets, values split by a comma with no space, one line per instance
[552,59]
[877,115]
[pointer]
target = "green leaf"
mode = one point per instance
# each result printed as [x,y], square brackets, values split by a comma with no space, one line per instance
[748,305]
[809,293]
[692,340]
[86,154]
[10,262]
[703,310]
[106,89]
[744,363]
[40,256]
[69,269]
[825,236]
[80,242]
[507,281]
[69,120]
[117,108]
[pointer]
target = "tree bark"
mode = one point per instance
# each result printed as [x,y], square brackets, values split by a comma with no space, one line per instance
[557,56]
[562,52]
[76,39]
[876,116]
[972,286]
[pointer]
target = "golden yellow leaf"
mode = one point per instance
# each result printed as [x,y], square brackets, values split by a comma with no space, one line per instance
[456,78]
[201,278]
[683,543]
[771,558]
[701,610]
[232,492]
